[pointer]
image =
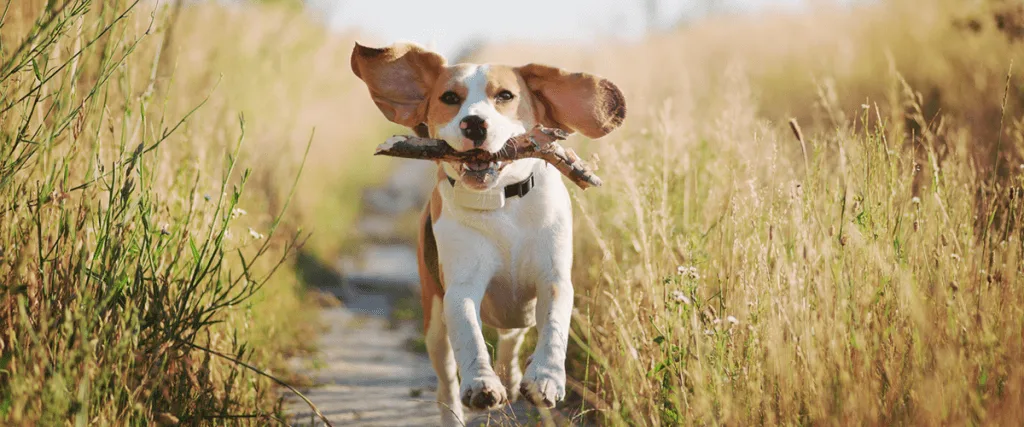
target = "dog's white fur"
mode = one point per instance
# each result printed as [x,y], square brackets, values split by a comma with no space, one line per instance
[508,268]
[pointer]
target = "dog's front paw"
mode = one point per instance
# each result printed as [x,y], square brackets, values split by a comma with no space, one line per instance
[543,385]
[484,393]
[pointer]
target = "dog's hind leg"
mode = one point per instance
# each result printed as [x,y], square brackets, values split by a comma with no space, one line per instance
[507,363]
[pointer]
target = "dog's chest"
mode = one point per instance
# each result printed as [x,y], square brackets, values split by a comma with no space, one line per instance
[522,243]
[511,295]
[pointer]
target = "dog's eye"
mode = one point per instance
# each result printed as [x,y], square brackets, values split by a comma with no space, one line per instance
[450,98]
[505,96]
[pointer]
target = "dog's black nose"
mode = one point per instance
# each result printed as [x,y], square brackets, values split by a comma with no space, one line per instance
[475,129]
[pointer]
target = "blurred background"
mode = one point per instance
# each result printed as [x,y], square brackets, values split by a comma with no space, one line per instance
[452,26]
[812,214]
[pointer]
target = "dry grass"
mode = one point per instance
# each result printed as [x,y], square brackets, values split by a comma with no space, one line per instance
[726,272]
[147,161]
[727,276]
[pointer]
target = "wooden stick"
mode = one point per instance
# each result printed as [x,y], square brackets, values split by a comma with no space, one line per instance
[540,143]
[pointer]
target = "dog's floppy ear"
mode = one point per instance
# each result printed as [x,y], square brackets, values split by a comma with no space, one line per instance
[575,101]
[399,77]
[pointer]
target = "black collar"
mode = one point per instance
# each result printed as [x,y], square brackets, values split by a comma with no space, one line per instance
[518,189]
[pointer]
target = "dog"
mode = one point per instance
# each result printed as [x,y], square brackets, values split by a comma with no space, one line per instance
[495,239]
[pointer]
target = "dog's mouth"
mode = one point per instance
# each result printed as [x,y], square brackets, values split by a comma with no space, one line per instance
[476,167]
[480,175]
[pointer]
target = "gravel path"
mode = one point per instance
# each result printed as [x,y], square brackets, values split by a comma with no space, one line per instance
[364,372]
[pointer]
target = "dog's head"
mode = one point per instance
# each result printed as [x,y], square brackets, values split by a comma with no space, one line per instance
[481,106]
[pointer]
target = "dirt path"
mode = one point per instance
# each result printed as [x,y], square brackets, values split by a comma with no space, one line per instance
[365,373]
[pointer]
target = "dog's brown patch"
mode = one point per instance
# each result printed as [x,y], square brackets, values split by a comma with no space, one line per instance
[501,78]
[439,113]
[431,278]
[434,205]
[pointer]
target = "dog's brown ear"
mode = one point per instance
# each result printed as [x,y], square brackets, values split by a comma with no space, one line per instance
[575,101]
[399,78]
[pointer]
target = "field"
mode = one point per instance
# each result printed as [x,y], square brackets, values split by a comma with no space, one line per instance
[861,264]
[153,209]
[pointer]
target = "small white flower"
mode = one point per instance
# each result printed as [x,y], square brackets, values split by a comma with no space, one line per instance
[237,212]
[916,200]
[732,320]
[690,272]
[679,296]
[955,257]
[255,235]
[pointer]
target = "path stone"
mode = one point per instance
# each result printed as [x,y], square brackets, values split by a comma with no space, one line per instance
[368,378]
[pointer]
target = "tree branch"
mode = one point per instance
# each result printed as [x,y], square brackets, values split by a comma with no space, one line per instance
[540,143]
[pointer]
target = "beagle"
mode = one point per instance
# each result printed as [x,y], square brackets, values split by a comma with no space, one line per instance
[495,239]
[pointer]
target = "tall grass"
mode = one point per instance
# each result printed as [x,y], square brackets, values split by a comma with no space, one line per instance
[148,157]
[730,272]
[866,272]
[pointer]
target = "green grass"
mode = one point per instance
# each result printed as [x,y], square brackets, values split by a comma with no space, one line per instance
[145,228]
